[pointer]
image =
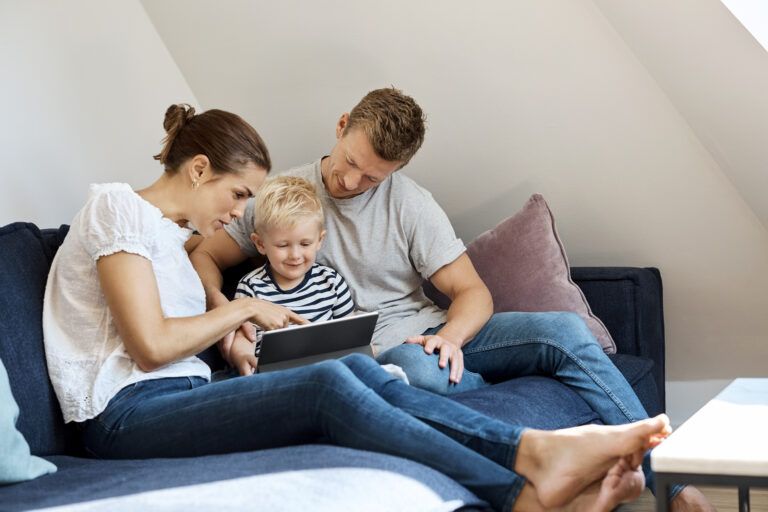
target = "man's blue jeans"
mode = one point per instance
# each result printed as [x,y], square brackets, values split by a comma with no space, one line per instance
[558,344]
[350,402]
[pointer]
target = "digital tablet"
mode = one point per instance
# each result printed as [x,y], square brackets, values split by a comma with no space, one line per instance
[298,345]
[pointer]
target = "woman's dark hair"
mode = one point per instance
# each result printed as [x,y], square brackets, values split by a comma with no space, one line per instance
[225,138]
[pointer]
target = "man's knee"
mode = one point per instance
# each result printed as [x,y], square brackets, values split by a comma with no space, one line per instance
[421,368]
[405,354]
[561,327]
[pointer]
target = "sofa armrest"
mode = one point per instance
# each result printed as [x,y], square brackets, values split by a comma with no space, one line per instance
[629,301]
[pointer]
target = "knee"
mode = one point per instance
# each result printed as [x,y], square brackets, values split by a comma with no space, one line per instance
[574,332]
[331,373]
[359,363]
[421,368]
[404,355]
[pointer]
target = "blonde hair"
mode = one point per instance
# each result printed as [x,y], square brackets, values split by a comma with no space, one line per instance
[284,201]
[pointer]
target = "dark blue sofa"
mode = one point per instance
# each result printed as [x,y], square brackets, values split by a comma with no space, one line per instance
[628,300]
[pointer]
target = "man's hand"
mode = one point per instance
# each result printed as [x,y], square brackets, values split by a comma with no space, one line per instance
[450,353]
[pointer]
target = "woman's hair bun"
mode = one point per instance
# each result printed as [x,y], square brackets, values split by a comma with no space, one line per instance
[176,116]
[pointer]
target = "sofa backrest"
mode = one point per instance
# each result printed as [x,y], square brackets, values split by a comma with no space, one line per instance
[25,258]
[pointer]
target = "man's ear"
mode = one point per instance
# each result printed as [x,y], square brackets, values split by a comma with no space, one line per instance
[341,125]
[256,239]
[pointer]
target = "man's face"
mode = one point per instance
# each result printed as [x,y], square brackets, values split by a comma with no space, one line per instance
[353,167]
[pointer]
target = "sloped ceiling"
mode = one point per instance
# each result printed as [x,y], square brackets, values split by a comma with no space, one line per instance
[641,123]
[716,75]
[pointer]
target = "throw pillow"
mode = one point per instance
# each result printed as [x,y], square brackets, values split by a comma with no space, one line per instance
[524,265]
[16,462]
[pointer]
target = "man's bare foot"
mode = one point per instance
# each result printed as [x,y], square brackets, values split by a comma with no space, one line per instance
[562,463]
[690,499]
[623,483]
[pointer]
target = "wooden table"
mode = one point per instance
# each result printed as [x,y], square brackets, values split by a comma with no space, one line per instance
[724,443]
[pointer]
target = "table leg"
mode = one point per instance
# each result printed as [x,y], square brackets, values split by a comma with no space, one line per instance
[743,499]
[662,494]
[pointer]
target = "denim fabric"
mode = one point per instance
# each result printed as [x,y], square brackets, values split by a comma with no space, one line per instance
[345,402]
[514,344]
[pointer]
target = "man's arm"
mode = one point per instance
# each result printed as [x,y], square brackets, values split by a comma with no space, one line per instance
[210,258]
[471,307]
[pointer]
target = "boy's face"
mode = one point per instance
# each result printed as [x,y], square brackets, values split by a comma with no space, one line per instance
[291,250]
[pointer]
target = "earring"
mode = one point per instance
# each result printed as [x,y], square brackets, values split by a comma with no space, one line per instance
[195,184]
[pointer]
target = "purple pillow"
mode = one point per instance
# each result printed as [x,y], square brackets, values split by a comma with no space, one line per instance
[524,265]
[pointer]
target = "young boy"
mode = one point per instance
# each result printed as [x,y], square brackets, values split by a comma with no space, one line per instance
[288,230]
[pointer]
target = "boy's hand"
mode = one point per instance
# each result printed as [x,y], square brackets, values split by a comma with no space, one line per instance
[246,331]
[243,358]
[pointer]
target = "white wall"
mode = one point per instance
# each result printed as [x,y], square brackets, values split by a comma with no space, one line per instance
[522,97]
[84,85]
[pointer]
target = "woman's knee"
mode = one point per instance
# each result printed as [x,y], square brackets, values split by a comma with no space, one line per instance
[331,373]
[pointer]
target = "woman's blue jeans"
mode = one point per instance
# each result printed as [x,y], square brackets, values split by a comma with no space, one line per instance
[557,344]
[350,402]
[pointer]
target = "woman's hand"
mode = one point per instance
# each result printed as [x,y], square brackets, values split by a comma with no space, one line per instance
[271,316]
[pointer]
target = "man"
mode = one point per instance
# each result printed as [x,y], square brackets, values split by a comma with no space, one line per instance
[385,235]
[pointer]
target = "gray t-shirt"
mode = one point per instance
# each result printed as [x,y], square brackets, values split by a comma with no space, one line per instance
[384,242]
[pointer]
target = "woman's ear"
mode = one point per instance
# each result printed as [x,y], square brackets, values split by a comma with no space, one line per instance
[199,169]
[256,239]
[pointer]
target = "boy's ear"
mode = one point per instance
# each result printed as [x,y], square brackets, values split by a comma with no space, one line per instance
[320,238]
[256,239]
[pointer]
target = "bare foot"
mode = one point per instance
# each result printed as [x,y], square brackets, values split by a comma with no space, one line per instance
[562,463]
[690,499]
[623,483]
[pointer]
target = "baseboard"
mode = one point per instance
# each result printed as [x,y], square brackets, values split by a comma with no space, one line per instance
[686,397]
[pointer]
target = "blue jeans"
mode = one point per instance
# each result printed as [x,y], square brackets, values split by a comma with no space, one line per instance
[558,344]
[350,402]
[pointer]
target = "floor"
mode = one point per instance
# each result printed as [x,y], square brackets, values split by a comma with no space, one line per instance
[725,499]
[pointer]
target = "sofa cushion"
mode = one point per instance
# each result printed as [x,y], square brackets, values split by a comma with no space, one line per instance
[524,265]
[639,373]
[26,255]
[16,462]
[535,401]
[80,480]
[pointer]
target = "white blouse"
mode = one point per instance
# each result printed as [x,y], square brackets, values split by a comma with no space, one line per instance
[87,360]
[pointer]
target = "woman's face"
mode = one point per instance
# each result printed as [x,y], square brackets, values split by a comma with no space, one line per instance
[222,197]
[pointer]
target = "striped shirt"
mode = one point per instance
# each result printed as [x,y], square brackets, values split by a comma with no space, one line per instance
[322,295]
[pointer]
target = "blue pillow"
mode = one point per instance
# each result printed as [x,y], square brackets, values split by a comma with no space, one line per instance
[16,462]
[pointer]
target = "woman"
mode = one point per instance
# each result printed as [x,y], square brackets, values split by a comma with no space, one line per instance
[125,313]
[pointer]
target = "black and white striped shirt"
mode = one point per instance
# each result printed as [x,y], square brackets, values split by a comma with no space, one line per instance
[322,295]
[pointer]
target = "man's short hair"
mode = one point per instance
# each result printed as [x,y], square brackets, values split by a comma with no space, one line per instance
[393,123]
[283,202]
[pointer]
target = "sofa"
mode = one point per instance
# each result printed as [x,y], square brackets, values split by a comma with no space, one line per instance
[628,301]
